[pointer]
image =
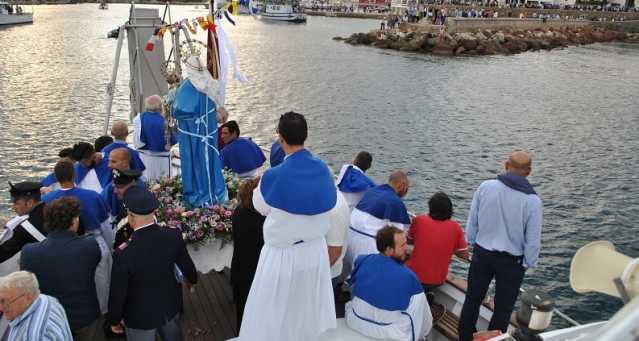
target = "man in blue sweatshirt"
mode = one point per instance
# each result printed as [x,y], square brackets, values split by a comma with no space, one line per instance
[504,225]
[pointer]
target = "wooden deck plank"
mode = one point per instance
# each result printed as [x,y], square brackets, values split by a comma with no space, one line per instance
[206,311]
[209,305]
[222,288]
[194,316]
[222,314]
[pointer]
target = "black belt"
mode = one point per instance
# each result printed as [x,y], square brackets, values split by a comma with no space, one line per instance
[502,254]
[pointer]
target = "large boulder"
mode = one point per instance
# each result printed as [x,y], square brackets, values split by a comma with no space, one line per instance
[444,48]
[499,37]
[469,44]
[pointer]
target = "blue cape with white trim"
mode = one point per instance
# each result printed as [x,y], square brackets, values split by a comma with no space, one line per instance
[302,184]
[355,181]
[383,203]
[242,155]
[93,209]
[383,283]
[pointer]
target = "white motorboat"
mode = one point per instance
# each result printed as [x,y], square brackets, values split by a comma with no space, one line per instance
[280,11]
[11,14]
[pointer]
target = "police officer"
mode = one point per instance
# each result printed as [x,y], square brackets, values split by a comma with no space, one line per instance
[28,225]
[144,290]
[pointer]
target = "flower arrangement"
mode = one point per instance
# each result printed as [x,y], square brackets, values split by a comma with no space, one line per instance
[198,224]
[232,183]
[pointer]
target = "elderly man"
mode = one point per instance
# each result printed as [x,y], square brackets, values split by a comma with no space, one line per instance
[150,140]
[388,300]
[63,258]
[144,292]
[352,181]
[291,297]
[240,154]
[504,225]
[33,316]
[379,207]
[120,131]
[27,226]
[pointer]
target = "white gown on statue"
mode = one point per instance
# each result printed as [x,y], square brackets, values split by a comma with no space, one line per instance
[291,298]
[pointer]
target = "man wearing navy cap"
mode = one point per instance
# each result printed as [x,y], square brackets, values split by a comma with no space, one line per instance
[144,292]
[114,192]
[27,226]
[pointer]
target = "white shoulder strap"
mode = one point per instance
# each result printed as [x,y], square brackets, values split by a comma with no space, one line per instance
[32,230]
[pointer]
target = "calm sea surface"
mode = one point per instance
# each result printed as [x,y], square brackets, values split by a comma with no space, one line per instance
[448,122]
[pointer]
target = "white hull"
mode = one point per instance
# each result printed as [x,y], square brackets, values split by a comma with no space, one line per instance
[292,17]
[282,13]
[14,19]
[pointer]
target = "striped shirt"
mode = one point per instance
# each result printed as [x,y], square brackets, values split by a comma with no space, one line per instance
[44,320]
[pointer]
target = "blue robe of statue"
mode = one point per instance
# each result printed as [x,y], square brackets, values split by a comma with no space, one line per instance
[202,180]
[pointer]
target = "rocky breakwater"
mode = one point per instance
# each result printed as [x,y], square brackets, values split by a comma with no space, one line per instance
[486,42]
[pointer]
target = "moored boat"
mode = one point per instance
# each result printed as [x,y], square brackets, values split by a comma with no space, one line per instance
[11,14]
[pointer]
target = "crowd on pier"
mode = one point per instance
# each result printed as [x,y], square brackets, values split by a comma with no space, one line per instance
[94,261]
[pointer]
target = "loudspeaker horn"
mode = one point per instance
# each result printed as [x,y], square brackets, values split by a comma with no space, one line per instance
[596,266]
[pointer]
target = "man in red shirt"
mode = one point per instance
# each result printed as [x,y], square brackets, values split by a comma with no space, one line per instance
[436,238]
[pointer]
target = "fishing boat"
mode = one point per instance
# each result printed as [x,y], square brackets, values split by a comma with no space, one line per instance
[11,14]
[103,5]
[595,267]
[285,11]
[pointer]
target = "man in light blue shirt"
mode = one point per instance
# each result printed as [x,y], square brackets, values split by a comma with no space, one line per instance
[504,225]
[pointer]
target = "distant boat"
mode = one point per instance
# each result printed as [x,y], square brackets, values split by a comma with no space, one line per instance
[103,5]
[13,14]
[287,12]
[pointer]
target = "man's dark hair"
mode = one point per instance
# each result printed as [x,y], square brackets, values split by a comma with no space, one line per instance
[59,214]
[66,152]
[363,160]
[82,150]
[440,207]
[63,170]
[102,142]
[385,237]
[232,126]
[292,128]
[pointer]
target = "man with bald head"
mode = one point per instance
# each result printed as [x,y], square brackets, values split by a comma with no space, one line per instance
[120,132]
[504,226]
[380,206]
[151,141]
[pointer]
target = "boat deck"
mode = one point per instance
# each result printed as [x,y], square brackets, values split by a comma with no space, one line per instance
[209,311]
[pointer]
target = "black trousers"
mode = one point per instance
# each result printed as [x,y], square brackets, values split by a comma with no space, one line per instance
[508,273]
[240,296]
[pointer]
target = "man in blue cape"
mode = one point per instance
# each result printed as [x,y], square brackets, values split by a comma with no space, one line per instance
[240,154]
[352,180]
[379,207]
[298,198]
[388,300]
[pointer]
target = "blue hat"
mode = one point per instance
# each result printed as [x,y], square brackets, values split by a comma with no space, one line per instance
[139,200]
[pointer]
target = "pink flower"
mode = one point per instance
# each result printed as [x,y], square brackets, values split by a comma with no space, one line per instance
[179,210]
[228,214]
[220,226]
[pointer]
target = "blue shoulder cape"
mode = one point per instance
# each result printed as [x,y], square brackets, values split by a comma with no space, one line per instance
[93,209]
[355,181]
[383,203]
[383,283]
[302,184]
[242,155]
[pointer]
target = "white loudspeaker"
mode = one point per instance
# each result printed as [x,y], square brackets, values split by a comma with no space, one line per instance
[596,265]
